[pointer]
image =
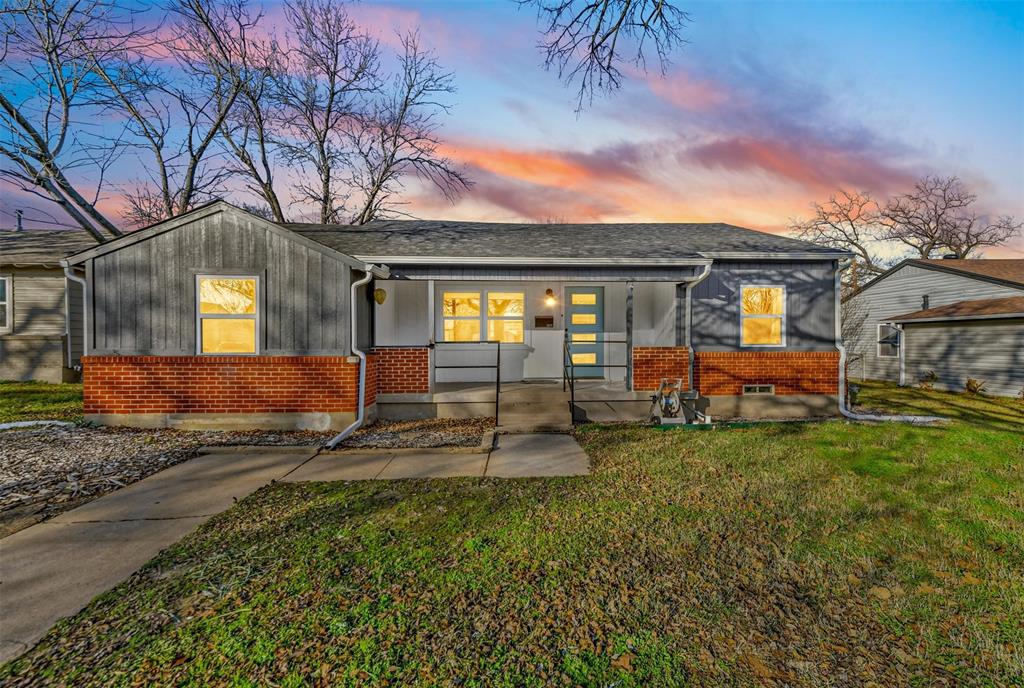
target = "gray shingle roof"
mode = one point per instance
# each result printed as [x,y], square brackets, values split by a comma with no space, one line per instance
[439,238]
[41,246]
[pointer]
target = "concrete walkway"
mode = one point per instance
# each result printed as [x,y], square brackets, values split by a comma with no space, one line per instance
[54,569]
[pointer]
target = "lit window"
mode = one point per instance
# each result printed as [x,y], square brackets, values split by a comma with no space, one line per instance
[465,321]
[584,337]
[762,316]
[6,297]
[584,318]
[583,359]
[505,311]
[227,315]
[584,299]
[888,341]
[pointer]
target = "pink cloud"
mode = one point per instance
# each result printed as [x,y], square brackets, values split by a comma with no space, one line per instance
[686,92]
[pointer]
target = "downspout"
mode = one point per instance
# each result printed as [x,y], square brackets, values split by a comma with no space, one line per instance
[690,284]
[843,265]
[354,336]
[69,274]
[903,358]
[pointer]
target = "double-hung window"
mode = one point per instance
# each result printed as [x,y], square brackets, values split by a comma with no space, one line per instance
[6,303]
[762,315]
[227,314]
[888,341]
[469,314]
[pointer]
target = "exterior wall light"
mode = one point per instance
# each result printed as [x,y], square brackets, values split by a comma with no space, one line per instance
[549,298]
[380,296]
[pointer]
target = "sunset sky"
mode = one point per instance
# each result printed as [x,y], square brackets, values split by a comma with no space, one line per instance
[770,107]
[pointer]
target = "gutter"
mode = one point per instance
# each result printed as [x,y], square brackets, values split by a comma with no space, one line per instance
[69,274]
[917,420]
[371,272]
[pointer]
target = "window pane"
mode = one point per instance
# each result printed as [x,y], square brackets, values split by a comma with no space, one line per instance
[3,291]
[584,299]
[461,330]
[506,331]
[3,315]
[583,359]
[583,337]
[762,301]
[505,303]
[584,319]
[762,331]
[227,295]
[460,303]
[229,336]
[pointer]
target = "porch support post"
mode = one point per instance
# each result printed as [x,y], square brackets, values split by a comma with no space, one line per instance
[682,313]
[430,335]
[629,336]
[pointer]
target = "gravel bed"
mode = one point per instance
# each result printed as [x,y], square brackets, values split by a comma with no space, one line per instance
[44,471]
[421,434]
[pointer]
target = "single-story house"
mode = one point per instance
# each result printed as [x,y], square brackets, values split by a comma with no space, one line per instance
[218,316]
[941,321]
[40,312]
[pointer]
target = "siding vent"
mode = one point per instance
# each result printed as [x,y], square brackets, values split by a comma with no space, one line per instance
[758,389]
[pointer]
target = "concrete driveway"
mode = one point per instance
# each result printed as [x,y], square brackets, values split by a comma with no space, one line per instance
[54,569]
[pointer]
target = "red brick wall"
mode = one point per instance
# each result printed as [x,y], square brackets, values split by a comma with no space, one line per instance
[652,363]
[403,370]
[792,372]
[222,384]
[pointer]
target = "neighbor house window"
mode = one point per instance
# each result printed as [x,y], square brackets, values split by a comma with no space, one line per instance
[762,316]
[228,314]
[465,318]
[6,299]
[888,341]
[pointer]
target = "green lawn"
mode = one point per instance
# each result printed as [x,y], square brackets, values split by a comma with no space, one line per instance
[39,401]
[809,554]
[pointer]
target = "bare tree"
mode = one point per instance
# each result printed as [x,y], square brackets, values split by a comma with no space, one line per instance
[400,135]
[971,232]
[48,99]
[589,41]
[175,114]
[922,218]
[848,221]
[331,70]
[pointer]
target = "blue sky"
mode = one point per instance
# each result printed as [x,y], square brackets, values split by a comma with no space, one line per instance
[769,107]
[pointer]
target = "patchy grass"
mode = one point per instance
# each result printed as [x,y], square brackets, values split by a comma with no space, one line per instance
[1000,413]
[40,401]
[807,554]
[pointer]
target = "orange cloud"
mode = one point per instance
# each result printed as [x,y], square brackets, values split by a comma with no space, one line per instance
[687,93]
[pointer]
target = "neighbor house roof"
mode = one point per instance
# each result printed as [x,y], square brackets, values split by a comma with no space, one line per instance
[42,246]
[1007,271]
[981,309]
[434,240]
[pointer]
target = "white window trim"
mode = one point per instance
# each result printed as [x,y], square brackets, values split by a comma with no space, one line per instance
[8,305]
[483,317]
[226,316]
[785,308]
[878,340]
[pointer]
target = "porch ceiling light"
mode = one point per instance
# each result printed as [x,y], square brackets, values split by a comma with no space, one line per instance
[549,298]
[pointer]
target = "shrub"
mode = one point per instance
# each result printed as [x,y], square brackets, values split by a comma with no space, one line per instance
[975,386]
[927,381]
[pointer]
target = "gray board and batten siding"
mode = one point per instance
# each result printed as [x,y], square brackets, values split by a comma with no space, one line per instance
[809,312]
[901,292]
[144,293]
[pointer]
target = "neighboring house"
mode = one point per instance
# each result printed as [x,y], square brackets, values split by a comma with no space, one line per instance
[40,315]
[958,319]
[221,317]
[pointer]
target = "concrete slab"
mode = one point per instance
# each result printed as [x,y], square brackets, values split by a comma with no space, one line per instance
[330,467]
[537,455]
[204,486]
[52,570]
[434,466]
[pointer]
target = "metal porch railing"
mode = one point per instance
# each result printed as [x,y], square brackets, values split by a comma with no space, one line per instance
[496,366]
[569,369]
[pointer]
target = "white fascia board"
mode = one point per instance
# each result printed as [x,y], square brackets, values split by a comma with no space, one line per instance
[528,261]
[988,316]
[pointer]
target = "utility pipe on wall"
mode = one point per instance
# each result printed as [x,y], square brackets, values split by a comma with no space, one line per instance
[354,336]
[69,273]
[690,284]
